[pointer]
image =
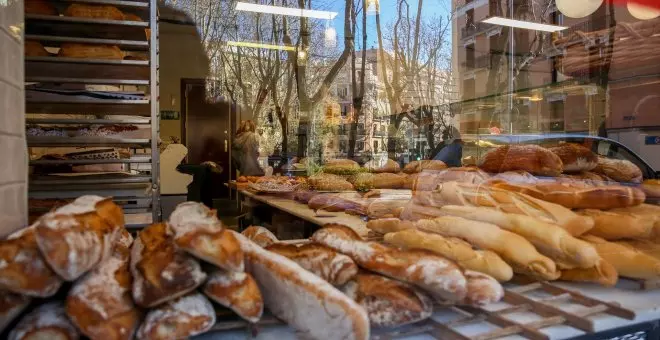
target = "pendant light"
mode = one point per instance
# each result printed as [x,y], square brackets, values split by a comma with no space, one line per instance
[578,8]
[642,12]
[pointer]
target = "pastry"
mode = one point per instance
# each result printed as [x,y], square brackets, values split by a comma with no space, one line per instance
[531,158]
[182,318]
[237,291]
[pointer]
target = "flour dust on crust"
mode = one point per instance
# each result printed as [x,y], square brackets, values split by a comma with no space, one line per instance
[51,316]
[184,317]
[190,217]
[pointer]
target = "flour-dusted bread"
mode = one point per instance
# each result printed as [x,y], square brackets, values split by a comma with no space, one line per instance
[620,170]
[388,302]
[198,231]
[260,235]
[482,289]
[11,306]
[23,270]
[237,291]
[309,304]
[440,277]
[326,263]
[531,158]
[389,165]
[335,203]
[575,157]
[424,165]
[182,318]
[48,321]
[76,237]
[160,271]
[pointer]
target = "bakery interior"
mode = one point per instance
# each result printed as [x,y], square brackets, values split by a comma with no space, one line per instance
[355,169]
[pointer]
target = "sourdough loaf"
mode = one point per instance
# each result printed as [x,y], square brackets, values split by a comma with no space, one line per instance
[531,158]
[237,291]
[11,306]
[260,235]
[482,289]
[48,321]
[182,318]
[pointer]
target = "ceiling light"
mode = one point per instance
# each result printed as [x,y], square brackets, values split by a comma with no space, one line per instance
[642,12]
[578,8]
[260,45]
[523,24]
[296,12]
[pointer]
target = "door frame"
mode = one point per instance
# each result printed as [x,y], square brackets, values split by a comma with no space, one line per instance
[183,90]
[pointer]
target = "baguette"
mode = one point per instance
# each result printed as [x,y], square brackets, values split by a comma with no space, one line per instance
[618,225]
[519,253]
[182,318]
[386,226]
[198,231]
[415,212]
[11,306]
[627,261]
[531,158]
[550,240]
[648,212]
[482,289]
[322,261]
[427,181]
[384,208]
[483,261]
[441,277]
[306,302]
[424,165]
[47,321]
[575,157]
[646,246]
[336,203]
[260,235]
[602,273]
[237,291]
[388,302]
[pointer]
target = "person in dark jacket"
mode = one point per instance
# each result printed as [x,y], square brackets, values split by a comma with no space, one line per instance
[452,152]
[245,150]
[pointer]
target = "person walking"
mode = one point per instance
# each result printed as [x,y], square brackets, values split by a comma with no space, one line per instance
[245,150]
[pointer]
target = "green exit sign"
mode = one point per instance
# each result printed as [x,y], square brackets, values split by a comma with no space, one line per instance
[169,115]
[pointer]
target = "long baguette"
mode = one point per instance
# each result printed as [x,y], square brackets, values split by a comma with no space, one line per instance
[389,225]
[618,225]
[441,277]
[628,261]
[550,240]
[513,248]
[483,261]
[482,289]
[602,273]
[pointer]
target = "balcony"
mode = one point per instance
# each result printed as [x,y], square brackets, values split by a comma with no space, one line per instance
[380,133]
[475,29]
[482,61]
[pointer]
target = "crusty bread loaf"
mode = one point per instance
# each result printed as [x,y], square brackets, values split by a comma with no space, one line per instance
[440,277]
[575,157]
[329,182]
[647,246]
[388,302]
[11,306]
[627,261]
[89,51]
[427,181]
[25,270]
[453,193]
[237,291]
[519,253]
[620,170]
[160,271]
[424,165]
[590,177]
[385,208]
[483,261]
[602,273]
[650,212]
[324,262]
[531,158]
[309,304]
[482,289]
[47,321]
[415,212]
[368,181]
[94,11]
[651,188]
[182,318]
[618,225]
[516,177]
[260,235]
[389,166]
[410,181]
[198,231]
[334,203]
[385,226]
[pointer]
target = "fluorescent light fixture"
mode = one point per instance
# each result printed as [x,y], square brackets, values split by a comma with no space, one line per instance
[296,12]
[260,45]
[524,24]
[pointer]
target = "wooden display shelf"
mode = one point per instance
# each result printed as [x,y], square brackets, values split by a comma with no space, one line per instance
[87,73]
[68,106]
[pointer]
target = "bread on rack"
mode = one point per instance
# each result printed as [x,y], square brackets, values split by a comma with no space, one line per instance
[517,251]
[48,321]
[89,51]
[385,208]
[618,225]
[482,289]
[620,170]
[94,12]
[160,271]
[549,239]
[309,304]
[336,203]
[132,17]
[260,235]
[237,291]
[324,262]
[531,158]
[329,182]
[424,165]
[25,270]
[198,231]
[388,302]
[35,49]
[415,212]
[440,277]
[11,306]
[182,318]
[483,261]
[628,261]
[39,7]
[390,166]
[575,157]
[602,273]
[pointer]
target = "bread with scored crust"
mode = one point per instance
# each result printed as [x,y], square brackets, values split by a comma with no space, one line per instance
[531,158]
[48,321]
[628,261]
[424,165]
[620,170]
[260,235]
[237,291]
[575,157]
[182,318]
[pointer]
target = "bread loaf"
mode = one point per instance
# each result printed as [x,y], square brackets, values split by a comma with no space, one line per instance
[627,261]
[651,188]
[440,277]
[427,181]
[89,51]
[329,182]
[648,247]
[483,261]
[198,231]
[161,272]
[649,212]
[519,253]
[336,203]
[620,170]
[182,318]
[237,291]
[424,165]
[389,166]
[531,158]
[47,321]
[322,261]
[618,225]
[482,289]
[516,177]
[260,235]
[385,208]
[11,306]
[415,212]
[23,269]
[368,181]
[309,304]
[575,157]
[602,273]
[94,11]
[388,302]
[34,49]
[385,226]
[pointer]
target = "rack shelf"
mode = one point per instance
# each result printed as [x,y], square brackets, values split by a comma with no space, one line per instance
[87,21]
[57,80]
[65,60]
[91,161]
[57,180]
[105,107]
[131,121]
[137,4]
[53,141]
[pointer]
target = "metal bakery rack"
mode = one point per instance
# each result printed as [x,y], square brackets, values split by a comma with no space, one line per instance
[122,93]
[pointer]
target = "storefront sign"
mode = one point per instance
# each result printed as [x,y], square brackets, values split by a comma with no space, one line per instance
[652,140]
[169,115]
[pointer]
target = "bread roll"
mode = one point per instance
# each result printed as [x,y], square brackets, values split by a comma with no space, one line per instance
[329,182]
[620,170]
[307,303]
[47,321]
[11,306]
[160,271]
[482,289]
[237,291]
[424,165]
[602,273]
[519,253]
[618,225]
[260,235]
[531,158]
[483,261]
[389,166]
[198,231]
[23,269]
[89,51]
[322,261]
[575,157]
[182,318]
[94,12]
[388,302]
[442,278]
[627,261]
